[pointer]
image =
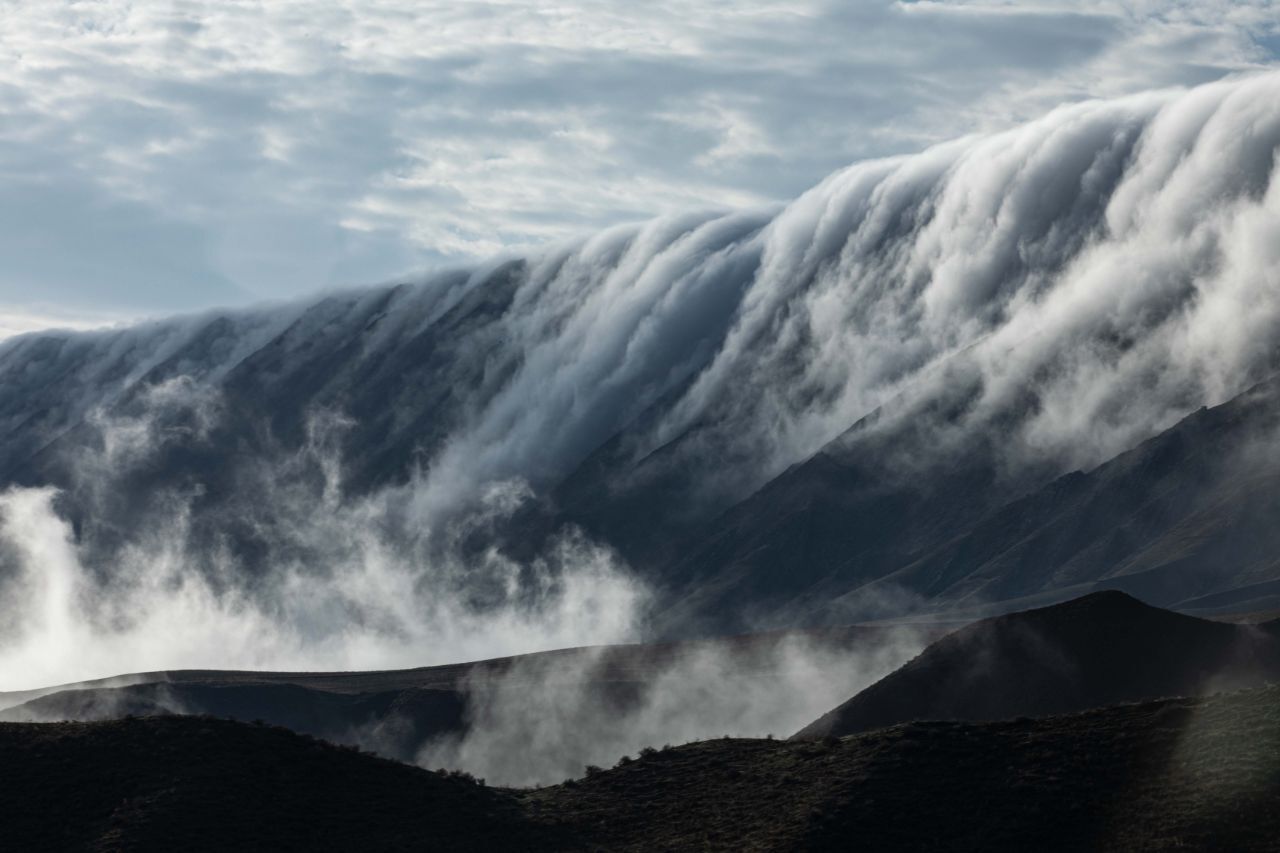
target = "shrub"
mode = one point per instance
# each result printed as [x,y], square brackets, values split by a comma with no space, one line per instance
[464,776]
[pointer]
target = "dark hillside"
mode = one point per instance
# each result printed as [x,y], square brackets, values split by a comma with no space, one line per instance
[191,783]
[1181,774]
[1185,518]
[1185,774]
[1098,650]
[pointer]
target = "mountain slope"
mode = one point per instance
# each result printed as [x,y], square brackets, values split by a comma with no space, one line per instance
[1094,651]
[1188,513]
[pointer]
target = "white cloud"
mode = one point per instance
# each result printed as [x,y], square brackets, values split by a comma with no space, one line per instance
[1063,289]
[19,321]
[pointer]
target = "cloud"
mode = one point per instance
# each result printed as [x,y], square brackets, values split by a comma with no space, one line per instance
[544,721]
[43,317]
[1038,299]
[186,154]
[346,585]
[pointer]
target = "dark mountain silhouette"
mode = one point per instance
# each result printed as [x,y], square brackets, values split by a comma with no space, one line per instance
[1094,651]
[1180,774]
[191,783]
[1186,774]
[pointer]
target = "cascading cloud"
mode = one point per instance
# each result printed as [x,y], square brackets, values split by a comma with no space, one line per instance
[1103,270]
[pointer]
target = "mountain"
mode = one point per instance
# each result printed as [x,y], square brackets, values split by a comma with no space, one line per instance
[1102,649]
[1177,774]
[866,402]
[1186,519]
[1184,515]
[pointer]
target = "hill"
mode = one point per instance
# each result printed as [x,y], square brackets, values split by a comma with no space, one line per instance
[165,783]
[1181,774]
[1098,650]
[1184,774]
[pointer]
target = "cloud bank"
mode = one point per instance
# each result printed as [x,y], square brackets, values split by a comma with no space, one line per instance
[1069,287]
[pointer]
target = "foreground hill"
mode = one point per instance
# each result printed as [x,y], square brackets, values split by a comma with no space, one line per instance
[1186,774]
[1098,650]
[1180,774]
[169,783]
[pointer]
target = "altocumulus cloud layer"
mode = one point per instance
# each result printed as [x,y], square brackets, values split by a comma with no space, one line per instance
[328,475]
[165,156]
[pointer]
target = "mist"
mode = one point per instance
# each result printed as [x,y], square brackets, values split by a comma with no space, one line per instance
[544,722]
[327,584]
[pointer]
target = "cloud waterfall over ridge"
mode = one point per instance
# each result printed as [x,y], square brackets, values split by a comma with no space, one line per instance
[1084,280]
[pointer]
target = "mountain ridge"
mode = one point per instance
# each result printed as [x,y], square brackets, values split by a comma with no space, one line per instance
[1099,650]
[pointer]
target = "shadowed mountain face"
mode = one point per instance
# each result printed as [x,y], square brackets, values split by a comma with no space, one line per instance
[1185,519]
[1183,515]
[1181,774]
[1098,650]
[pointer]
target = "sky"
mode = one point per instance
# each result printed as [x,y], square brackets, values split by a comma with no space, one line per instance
[169,156]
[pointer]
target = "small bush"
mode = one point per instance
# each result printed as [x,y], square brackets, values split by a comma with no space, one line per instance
[464,776]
